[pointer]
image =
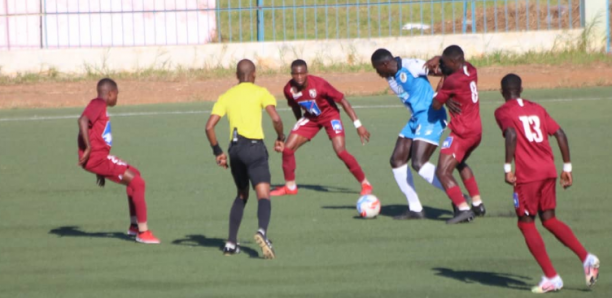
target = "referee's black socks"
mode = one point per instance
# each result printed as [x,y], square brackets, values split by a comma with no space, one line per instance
[264,209]
[235,218]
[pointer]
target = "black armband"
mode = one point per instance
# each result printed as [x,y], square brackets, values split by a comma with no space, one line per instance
[217,150]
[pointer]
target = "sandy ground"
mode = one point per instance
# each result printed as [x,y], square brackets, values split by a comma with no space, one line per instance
[71,94]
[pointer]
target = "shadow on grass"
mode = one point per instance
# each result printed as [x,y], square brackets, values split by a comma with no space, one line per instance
[218,243]
[394,210]
[503,280]
[322,188]
[74,231]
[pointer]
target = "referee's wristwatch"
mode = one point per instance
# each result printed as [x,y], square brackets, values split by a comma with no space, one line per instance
[281,138]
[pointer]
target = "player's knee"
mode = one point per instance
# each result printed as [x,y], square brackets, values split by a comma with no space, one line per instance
[244,194]
[134,170]
[138,183]
[397,161]
[525,219]
[440,172]
[548,219]
[417,164]
[288,151]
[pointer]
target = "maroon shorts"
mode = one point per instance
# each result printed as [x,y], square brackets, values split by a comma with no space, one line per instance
[309,128]
[108,166]
[533,197]
[460,148]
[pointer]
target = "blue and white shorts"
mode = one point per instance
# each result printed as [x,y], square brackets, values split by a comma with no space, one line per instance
[421,128]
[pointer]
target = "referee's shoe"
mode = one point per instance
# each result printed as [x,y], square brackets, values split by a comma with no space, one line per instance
[265,244]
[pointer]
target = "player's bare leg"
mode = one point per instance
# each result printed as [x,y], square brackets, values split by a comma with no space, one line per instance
[137,185]
[403,177]
[469,181]
[351,163]
[264,209]
[444,171]
[421,153]
[294,141]
[565,235]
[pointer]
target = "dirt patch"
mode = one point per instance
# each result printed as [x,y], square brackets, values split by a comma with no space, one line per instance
[75,94]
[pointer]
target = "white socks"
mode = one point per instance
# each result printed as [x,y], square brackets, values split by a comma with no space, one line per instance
[403,177]
[428,172]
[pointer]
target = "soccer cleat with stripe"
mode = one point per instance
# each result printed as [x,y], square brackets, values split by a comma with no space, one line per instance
[479,210]
[147,237]
[461,216]
[231,249]
[548,285]
[283,191]
[410,215]
[265,244]
[366,189]
[591,269]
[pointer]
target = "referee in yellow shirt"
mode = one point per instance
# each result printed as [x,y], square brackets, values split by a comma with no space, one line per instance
[248,155]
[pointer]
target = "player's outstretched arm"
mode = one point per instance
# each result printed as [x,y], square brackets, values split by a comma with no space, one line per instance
[566,175]
[83,131]
[364,134]
[212,138]
[279,144]
[510,135]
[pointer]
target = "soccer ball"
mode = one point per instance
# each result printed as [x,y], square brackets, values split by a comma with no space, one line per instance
[368,206]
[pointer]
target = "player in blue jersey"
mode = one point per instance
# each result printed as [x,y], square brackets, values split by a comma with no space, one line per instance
[420,137]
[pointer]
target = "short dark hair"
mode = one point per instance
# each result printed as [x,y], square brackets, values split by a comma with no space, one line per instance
[511,82]
[107,82]
[454,52]
[381,55]
[299,62]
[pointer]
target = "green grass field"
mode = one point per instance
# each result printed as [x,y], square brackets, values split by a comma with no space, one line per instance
[62,236]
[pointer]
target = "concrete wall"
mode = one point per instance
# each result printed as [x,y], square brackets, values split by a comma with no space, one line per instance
[271,54]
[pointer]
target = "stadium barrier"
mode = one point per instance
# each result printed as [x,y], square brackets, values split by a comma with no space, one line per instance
[120,23]
[164,49]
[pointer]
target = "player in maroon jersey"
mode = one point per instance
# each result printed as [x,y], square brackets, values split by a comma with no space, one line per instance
[458,90]
[319,101]
[526,126]
[95,141]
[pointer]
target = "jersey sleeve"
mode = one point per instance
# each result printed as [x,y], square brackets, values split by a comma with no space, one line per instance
[331,93]
[266,98]
[219,108]
[445,93]
[416,67]
[551,125]
[94,110]
[503,121]
[290,101]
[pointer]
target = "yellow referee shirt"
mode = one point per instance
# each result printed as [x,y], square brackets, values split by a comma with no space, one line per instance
[243,105]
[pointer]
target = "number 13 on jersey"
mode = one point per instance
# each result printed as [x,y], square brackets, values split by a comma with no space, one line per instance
[531,125]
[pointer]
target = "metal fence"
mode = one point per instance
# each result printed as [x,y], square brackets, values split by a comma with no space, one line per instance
[102,23]
[608,26]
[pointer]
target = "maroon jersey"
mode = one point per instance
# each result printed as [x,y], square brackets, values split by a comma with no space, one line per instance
[318,99]
[99,128]
[461,87]
[533,157]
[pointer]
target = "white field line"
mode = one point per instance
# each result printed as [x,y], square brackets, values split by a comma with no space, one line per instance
[44,118]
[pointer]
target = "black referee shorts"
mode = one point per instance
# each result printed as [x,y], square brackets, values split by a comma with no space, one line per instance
[249,161]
